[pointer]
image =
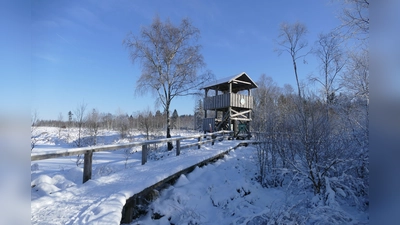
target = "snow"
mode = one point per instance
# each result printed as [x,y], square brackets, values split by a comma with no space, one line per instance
[224,192]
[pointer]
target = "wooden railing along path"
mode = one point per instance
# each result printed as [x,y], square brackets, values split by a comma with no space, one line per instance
[88,151]
[129,209]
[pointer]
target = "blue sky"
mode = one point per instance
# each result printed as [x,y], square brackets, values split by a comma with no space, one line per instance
[77,53]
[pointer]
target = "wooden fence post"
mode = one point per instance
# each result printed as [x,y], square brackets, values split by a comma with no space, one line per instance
[87,166]
[128,211]
[198,139]
[178,147]
[144,154]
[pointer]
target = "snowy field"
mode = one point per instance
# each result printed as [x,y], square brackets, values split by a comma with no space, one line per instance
[225,192]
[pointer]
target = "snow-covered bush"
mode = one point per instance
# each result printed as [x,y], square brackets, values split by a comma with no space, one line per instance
[313,145]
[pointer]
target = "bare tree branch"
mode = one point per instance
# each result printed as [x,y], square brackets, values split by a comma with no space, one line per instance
[355,18]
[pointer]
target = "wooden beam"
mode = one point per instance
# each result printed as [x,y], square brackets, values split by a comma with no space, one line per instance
[239,116]
[240,113]
[241,119]
[243,82]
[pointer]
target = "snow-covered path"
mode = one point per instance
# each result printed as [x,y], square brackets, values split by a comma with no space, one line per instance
[224,192]
[100,200]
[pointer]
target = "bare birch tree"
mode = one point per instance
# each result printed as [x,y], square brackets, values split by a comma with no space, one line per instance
[34,121]
[122,123]
[146,124]
[60,124]
[93,122]
[107,119]
[80,120]
[292,40]
[331,57]
[170,58]
[198,114]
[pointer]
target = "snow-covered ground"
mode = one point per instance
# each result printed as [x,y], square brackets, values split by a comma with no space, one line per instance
[225,192]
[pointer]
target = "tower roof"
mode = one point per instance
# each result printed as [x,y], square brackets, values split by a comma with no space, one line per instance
[239,82]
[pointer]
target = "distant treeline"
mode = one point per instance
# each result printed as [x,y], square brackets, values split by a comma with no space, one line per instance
[110,121]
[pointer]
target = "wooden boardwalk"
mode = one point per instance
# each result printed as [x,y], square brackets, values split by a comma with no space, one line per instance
[102,200]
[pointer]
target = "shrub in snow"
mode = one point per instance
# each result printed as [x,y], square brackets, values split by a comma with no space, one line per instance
[79,160]
[35,167]
[103,171]
[127,154]
[186,215]
[313,146]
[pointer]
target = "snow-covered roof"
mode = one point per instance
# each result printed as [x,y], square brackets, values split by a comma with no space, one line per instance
[240,82]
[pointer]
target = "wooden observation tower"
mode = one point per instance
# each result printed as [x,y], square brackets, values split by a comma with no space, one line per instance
[231,105]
